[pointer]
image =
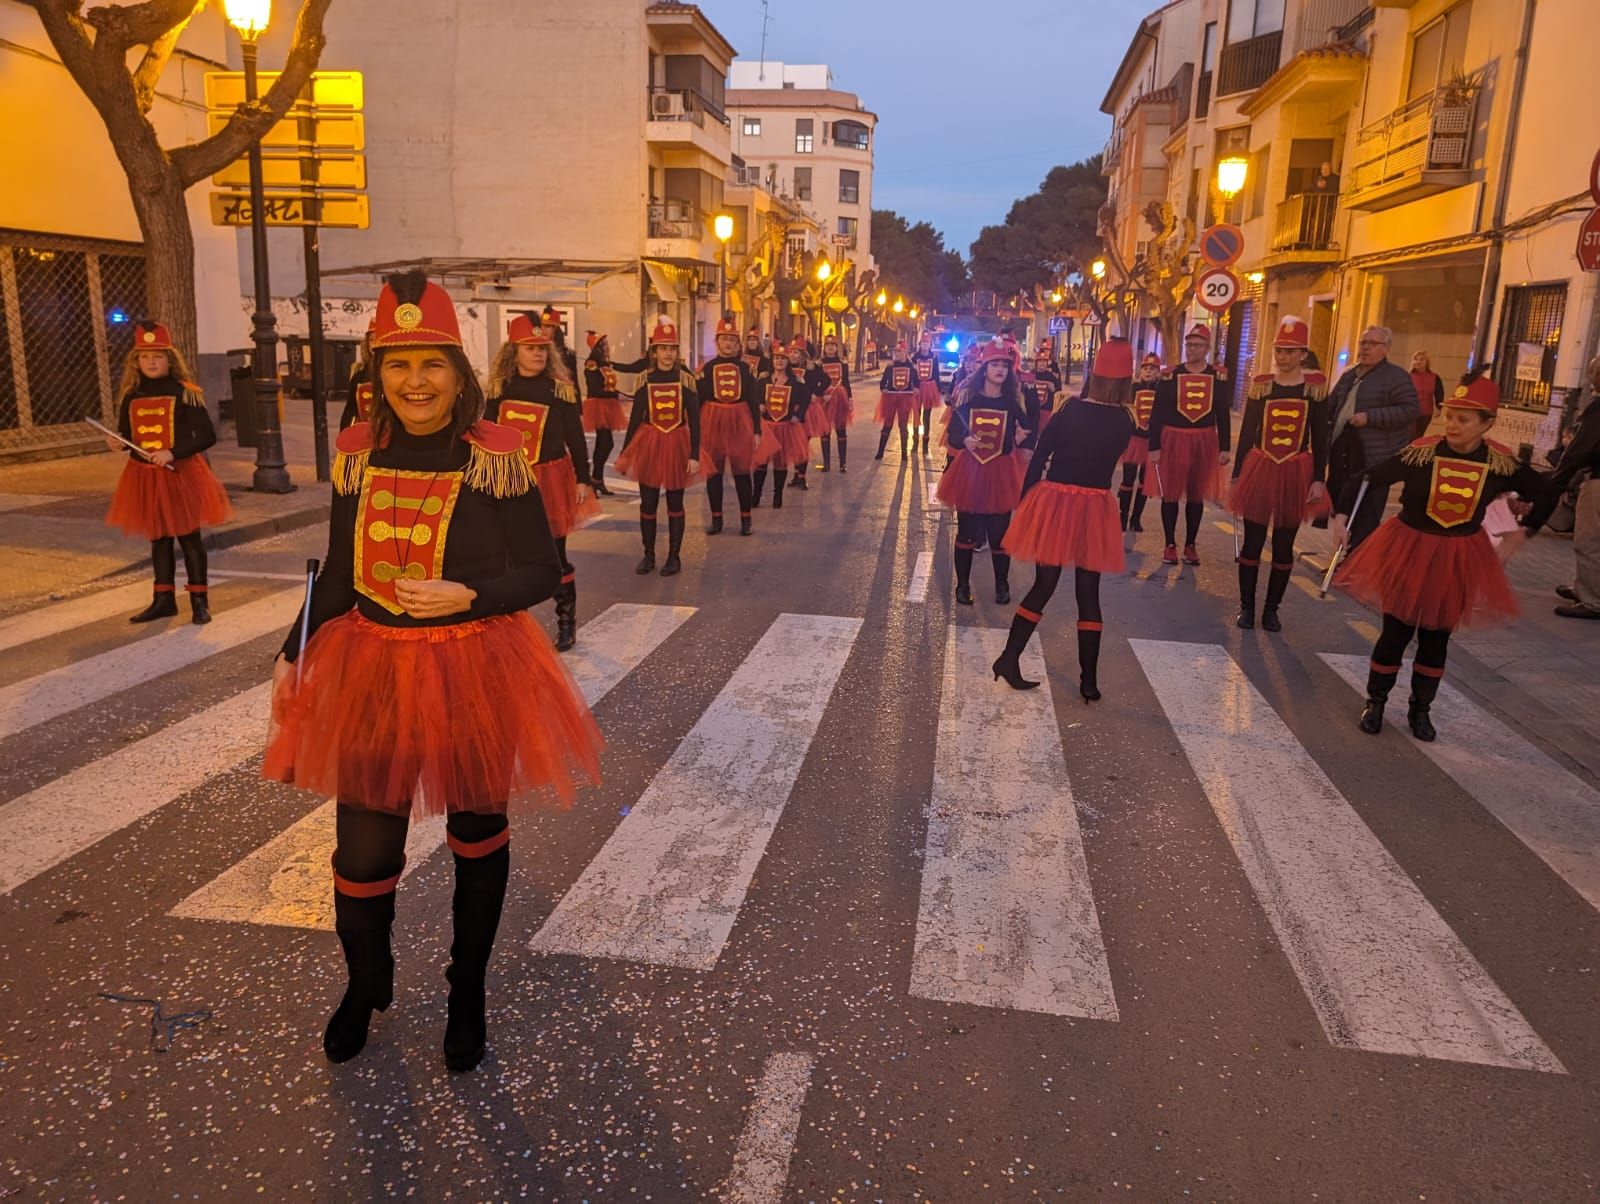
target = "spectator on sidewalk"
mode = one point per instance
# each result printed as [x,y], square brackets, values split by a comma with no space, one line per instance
[1373,409]
[1583,457]
[1430,390]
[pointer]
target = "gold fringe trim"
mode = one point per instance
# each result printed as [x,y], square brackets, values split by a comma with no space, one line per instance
[348,470]
[499,474]
[1503,463]
[1316,392]
[1418,455]
[1258,389]
[192,396]
[565,391]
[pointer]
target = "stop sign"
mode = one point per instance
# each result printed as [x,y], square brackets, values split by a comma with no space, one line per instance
[1589,242]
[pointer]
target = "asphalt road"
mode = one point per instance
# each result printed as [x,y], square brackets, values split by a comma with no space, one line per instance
[847,919]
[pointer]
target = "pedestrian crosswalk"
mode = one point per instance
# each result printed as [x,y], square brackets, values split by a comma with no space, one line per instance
[1007,917]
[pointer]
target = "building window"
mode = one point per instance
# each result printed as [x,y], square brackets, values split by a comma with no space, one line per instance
[850,134]
[850,187]
[1251,18]
[802,183]
[794,249]
[1530,333]
[847,229]
[803,135]
[1438,51]
[752,127]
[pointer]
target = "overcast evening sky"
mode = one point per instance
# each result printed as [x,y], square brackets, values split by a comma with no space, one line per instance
[976,101]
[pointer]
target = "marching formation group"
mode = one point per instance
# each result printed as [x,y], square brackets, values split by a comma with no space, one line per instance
[415,682]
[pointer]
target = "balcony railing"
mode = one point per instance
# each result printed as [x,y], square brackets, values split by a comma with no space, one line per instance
[676,219]
[1305,223]
[683,104]
[1322,21]
[1202,96]
[1431,133]
[1245,66]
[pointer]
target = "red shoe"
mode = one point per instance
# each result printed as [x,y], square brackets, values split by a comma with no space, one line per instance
[1169,555]
[1190,556]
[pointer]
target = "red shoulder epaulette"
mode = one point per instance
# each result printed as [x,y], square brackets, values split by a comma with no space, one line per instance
[355,439]
[1263,378]
[1316,378]
[1501,448]
[492,437]
[1427,441]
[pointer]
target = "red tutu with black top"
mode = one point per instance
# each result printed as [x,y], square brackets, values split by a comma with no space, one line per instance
[1066,525]
[604,414]
[727,438]
[784,443]
[819,416]
[155,503]
[429,720]
[658,460]
[1272,494]
[894,407]
[976,488]
[558,490]
[928,395]
[1138,450]
[1440,582]
[1190,466]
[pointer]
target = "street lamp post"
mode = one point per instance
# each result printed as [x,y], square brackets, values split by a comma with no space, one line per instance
[722,224]
[249,18]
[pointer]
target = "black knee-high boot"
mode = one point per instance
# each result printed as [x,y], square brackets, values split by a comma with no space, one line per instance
[714,500]
[1089,632]
[363,922]
[604,441]
[1002,571]
[1427,671]
[194,568]
[1124,502]
[844,447]
[883,441]
[1009,667]
[777,490]
[827,454]
[1139,500]
[743,487]
[567,611]
[163,602]
[675,523]
[963,559]
[1249,576]
[647,533]
[1380,680]
[482,869]
[1277,586]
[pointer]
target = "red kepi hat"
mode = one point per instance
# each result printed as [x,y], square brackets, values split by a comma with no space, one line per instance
[151,336]
[1293,332]
[522,330]
[727,326]
[1199,331]
[415,312]
[1114,361]
[1479,393]
[665,334]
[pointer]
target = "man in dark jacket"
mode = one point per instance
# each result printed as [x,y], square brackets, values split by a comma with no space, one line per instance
[1372,409]
[1583,455]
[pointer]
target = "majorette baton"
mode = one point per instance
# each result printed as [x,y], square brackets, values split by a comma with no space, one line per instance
[1338,552]
[305,622]
[133,447]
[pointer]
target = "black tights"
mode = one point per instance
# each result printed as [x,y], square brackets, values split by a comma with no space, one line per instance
[883,436]
[741,486]
[1255,539]
[604,441]
[843,434]
[1085,584]
[1193,513]
[372,844]
[1433,646]
[968,526]
[649,504]
[1131,496]
[165,559]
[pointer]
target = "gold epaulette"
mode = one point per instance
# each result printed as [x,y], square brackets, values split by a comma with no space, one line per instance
[1420,452]
[192,395]
[567,391]
[1316,386]
[1260,385]
[1501,459]
[688,379]
[354,450]
[496,465]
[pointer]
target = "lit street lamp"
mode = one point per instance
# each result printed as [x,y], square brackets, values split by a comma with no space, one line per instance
[249,19]
[1231,175]
[722,224]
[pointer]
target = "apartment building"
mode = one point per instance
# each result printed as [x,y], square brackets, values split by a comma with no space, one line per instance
[809,143]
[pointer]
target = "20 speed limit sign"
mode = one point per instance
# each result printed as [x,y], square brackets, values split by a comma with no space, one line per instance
[1217,289]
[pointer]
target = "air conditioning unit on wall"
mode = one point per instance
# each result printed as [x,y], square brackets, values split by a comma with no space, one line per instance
[666,104]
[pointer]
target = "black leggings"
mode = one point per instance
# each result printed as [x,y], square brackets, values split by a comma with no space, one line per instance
[968,526]
[1086,585]
[650,501]
[604,441]
[1433,646]
[1193,513]
[165,560]
[1255,539]
[372,844]
[741,486]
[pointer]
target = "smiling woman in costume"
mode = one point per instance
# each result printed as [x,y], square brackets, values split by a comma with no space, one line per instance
[425,687]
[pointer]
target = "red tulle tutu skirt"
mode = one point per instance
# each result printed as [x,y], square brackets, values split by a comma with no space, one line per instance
[974,488]
[895,407]
[727,438]
[842,409]
[1190,467]
[783,443]
[603,414]
[153,503]
[433,719]
[1272,494]
[1067,525]
[928,395]
[819,417]
[657,460]
[1137,451]
[1436,581]
[558,490]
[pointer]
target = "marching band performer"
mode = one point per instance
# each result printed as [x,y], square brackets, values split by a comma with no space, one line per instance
[1068,516]
[358,398]
[930,387]
[897,398]
[1190,436]
[529,393]
[1432,568]
[784,442]
[1278,480]
[984,480]
[425,687]
[1131,496]
[602,406]
[837,403]
[1044,382]
[163,412]
[662,448]
[754,358]
[730,425]
[551,321]
[809,377]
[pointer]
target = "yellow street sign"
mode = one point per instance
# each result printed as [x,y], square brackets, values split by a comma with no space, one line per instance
[279,169]
[341,131]
[328,89]
[337,210]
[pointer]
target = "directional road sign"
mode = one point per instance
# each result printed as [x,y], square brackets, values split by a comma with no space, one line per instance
[339,210]
[339,171]
[341,132]
[328,90]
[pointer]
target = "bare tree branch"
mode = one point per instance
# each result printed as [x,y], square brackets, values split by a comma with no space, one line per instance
[155,61]
[65,29]
[141,24]
[195,163]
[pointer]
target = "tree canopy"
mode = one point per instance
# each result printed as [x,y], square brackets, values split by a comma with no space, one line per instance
[1045,235]
[913,261]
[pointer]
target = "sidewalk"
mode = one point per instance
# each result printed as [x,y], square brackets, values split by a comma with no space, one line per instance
[55,542]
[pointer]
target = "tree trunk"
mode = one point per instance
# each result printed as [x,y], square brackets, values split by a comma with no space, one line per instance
[169,255]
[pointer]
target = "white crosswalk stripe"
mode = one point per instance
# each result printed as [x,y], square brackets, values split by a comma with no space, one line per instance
[45,621]
[666,887]
[1007,917]
[1380,967]
[1543,805]
[917,590]
[36,700]
[285,882]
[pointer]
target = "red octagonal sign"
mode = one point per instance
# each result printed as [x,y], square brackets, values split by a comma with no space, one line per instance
[1589,242]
